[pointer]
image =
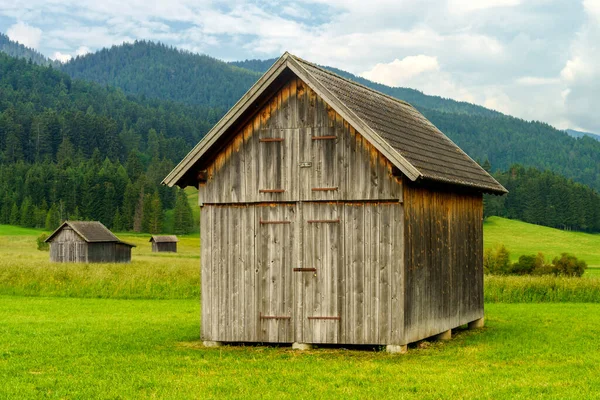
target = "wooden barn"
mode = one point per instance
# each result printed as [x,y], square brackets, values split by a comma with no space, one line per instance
[166,243]
[87,242]
[332,213]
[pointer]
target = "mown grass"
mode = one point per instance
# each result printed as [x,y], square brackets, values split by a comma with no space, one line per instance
[97,348]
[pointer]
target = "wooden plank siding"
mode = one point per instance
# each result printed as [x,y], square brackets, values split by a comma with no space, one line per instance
[68,246]
[258,282]
[275,157]
[158,247]
[443,285]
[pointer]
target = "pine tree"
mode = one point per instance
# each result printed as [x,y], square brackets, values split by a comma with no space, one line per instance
[183,217]
[65,153]
[117,224]
[53,218]
[14,215]
[27,213]
[153,213]
[138,217]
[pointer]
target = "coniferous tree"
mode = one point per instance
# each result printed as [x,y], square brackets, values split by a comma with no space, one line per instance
[14,215]
[27,214]
[52,218]
[183,219]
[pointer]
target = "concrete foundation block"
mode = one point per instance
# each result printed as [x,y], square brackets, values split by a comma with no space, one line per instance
[210,343]
[302,346]
[477,324]
[447,335]
[396,348]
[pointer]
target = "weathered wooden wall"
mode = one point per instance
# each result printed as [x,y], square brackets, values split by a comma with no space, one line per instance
[68,246]
[327,272]
[158,247]
[443,280]
[263,162]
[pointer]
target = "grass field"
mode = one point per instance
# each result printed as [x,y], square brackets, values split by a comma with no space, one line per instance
[90,339]
[523,238]
[98,348]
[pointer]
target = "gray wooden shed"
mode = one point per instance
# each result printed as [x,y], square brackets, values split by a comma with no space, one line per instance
[164,243]
[332,213]
[89,242]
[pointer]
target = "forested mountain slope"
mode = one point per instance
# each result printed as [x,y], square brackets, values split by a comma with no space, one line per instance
[155,70]
[74,149]
[580,134]
[545,198]
[15,49]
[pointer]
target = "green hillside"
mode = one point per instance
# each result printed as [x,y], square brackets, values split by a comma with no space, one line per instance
[523,238]
[17,50]
[158,71]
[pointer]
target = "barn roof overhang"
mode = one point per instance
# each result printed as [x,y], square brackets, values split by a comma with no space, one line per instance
[108,236]
[285,68]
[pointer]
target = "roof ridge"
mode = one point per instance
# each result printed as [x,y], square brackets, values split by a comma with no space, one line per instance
[323,69]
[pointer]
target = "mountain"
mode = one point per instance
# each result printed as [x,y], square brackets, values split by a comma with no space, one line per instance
[158,71]
[15,49]
[580,134]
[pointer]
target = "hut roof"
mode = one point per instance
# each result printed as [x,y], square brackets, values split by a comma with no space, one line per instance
[91,232]
[164,239]
[400,132]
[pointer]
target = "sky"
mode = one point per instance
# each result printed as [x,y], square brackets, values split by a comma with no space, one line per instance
[534,59]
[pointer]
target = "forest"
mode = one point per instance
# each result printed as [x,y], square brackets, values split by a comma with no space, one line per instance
[79,150]
[545,198]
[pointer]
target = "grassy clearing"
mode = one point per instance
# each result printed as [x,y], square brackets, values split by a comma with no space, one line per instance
[24,270]
[27,271]
[523,238]
[96,348]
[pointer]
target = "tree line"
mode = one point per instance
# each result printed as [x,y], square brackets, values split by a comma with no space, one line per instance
[122,197]
[545,198]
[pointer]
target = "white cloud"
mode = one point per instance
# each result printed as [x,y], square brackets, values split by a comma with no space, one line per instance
[592,8]
[465,6]
[25,34]
[537,81]
[61,57]
[399,72]
[82,51]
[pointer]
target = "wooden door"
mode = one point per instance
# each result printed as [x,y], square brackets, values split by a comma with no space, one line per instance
[318,282]
[276,257]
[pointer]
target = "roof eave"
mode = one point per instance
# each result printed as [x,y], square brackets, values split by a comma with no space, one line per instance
[176,175]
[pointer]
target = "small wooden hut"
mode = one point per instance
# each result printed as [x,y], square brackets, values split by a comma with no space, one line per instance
[332,213]
[88,242]
[166,243]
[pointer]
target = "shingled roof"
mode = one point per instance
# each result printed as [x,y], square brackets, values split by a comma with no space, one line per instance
[90,231]
[164,239]
[394,127]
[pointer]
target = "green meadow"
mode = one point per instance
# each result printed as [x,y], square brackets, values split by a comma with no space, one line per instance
[73,331]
